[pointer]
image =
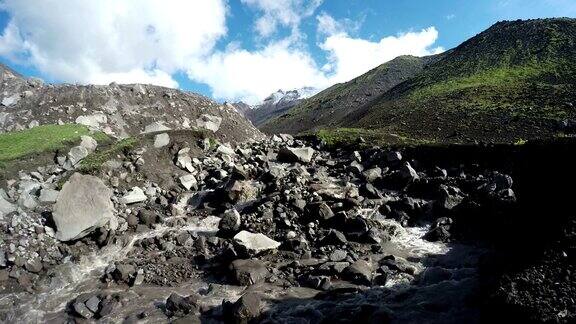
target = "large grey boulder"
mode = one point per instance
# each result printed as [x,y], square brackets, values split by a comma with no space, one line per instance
[289,154]
[209,122]
[6,207]
[83,205]
[255,243]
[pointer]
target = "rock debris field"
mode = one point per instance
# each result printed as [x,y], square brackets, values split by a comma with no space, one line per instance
[279,230]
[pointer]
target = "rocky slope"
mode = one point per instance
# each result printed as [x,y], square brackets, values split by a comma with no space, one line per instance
[118,110]
[510,83]
[331,106]
[274,105]
[183,228]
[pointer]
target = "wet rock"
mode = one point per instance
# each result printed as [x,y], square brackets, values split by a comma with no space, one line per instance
[82,310]
[255,243]
[230,222]
[359,272]
[248,272]
[148,217]
[135,195]
[334,237]
[74,215]
[320,211]
[245,309]
[303,155]
[209,122]
[124,272]
[161,140]
[177,305]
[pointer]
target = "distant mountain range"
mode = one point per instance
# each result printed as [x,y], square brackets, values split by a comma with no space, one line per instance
[274,105]
[514,81]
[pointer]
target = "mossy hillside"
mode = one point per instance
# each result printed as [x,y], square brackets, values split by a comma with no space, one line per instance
[47,138]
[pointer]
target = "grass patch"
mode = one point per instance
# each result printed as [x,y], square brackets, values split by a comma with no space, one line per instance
[364,138]
[501,78]
[93,162]
[16,145]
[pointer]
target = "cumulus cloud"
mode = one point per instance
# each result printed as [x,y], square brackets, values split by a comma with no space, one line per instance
[350,57]
[111,40]
[148,41]
[286,13]
[252,75]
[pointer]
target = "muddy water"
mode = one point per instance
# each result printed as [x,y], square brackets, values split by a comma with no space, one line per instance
[72,279]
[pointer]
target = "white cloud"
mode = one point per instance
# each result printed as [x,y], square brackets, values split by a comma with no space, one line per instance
[350,57]
[112,40]
[286,13]
[147,41]
[252,76]
[327,25]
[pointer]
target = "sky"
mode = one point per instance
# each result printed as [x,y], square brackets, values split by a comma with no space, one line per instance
[234,50]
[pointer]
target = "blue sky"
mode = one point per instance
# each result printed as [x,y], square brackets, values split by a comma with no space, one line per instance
[239,49]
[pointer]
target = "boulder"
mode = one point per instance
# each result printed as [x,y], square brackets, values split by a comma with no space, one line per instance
[48,195]
[359,272]
[161,140]
[77,154]
[209,122]
[135,195]
[249,272]
[408,173]
[290,155]
[89,143]
[6,207]
[230,222]
[225,149]
[255,243]
[92,120]
[372,174]
[180,305]
[246,309]
[83,205]
[188,182]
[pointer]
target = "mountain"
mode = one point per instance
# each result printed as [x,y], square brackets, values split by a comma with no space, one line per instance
[276,104]
[330,106]
[118,110]
[512,82]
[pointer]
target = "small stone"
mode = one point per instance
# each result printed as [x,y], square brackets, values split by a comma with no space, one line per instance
[188,182]
[161,140]
[136,195]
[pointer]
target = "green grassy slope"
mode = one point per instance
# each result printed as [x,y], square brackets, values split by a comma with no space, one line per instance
[16,145]
[514,81]
[332,105]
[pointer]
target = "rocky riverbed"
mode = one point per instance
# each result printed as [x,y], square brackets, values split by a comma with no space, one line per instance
[277,230]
